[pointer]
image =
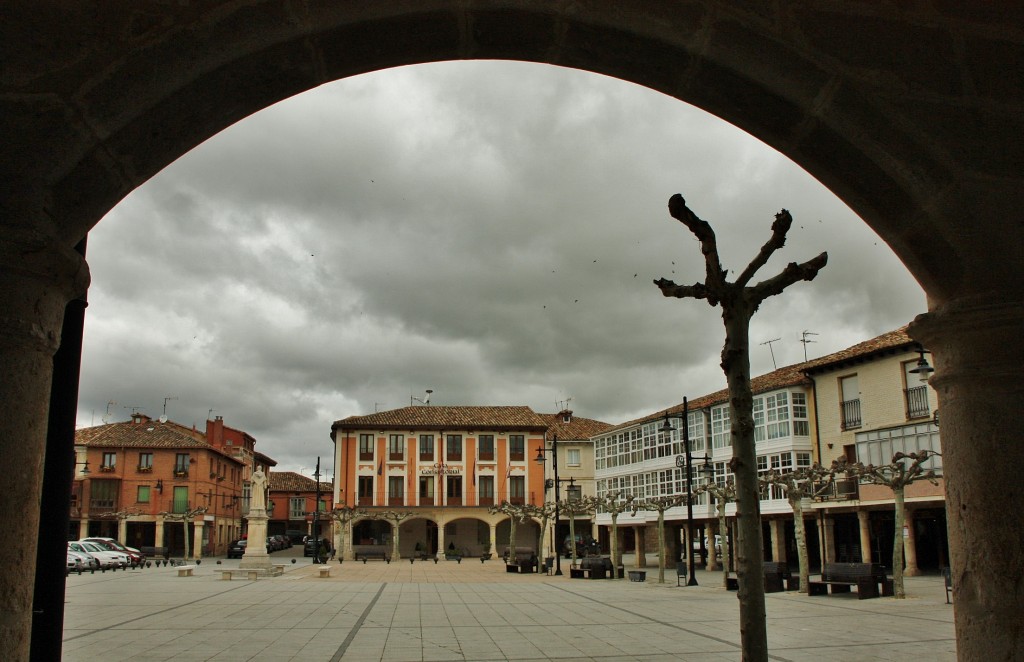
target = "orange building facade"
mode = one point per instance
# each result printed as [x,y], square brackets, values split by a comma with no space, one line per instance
[445,466]
[135,479]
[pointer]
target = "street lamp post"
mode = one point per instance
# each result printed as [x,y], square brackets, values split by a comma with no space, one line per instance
[687,462]
[540,459]
[316,516]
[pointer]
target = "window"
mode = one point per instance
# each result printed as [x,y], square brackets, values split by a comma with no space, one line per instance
[516,447]
[427,490]
[454,448]
[426,448]
[720,428]
[142,495]
[878,446]
[572,457]
[109,462]
[801,428]
[850,402]
[180,502]
[145,461]
[916,393]
[396,447]
[365,446]
[777,411]
[365,490]
[454,484]
[102,495]
[181,465]
[486,490]
[486,452]
[396,490]
[517,489]
[297,508]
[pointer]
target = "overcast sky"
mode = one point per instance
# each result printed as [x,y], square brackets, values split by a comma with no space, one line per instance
[486,230]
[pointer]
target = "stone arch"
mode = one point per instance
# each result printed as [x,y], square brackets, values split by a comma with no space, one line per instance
[904,112]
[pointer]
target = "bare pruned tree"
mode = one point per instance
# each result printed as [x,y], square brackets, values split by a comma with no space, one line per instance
[615,503]
[739,301]
[660,505]
[185,517]
[395,518]
[345,515]
[517,513]
[575,507]
[804,483]
[896,476]
[723,493]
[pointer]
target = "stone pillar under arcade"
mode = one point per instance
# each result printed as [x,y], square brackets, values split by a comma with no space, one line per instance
[864,520]
[641,546]
[778,529]
[38,278]
[713,562]
[910,568]
[978,351]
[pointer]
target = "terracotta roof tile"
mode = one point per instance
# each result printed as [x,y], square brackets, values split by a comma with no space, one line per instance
[290,481]
[147,434]
[432,417]
[576,429]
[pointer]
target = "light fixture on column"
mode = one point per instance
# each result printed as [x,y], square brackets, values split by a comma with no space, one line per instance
[923,369]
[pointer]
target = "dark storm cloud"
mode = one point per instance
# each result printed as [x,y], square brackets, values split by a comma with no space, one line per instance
[487,230]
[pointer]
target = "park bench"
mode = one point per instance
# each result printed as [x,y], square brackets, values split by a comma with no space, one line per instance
[778,578]
[523,561]
[378,554]
[154,552]
[841,577]
[185,570]
[592,567]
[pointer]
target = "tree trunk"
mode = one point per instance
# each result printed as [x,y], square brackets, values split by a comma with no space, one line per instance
[184,523]
[723,526]
[661,546]
[796,503]
[897,546]
[511,539]
[395,554]
[613,545]
[749,548]
[572,536]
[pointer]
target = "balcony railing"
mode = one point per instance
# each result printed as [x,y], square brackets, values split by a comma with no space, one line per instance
[396,500]
[181,472]
[517,456]
[144,469]
[486,501]
[427,501]
[366,501]
[486,456]
[454,501]
[917,402]
[844,489]
[365,457]
[517,500]
[851,414]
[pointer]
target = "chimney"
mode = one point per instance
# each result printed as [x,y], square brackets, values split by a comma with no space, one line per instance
[215,432]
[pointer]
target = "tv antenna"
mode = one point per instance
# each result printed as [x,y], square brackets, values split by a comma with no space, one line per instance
[163,417]
[804,340]
[769,343]
[106,417]
[424,401]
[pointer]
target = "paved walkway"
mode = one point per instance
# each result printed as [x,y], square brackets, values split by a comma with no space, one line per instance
[473,611]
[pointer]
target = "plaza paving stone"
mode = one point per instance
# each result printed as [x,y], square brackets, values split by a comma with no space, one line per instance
[472,611]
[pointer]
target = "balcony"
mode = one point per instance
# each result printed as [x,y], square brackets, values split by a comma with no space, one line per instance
[181,473]
[486,456]
[455,501]
[917,402]
[365,501]
[486,501]
[396,500]
[850,414]
[517,500]
[428,500]
[107,468]
[144,469]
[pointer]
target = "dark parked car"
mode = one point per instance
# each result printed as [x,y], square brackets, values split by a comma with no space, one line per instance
[236,549]
[325,546]
[297,537]
[285,541]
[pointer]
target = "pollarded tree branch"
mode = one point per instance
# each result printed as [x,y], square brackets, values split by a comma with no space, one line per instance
[780,228]
[695,291]
[793,273]
[701,229]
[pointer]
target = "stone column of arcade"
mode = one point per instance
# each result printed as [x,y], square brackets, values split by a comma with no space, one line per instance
[978,350]
[38,277]
[864,519]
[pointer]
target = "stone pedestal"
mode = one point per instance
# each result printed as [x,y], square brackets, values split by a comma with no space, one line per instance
[255,557]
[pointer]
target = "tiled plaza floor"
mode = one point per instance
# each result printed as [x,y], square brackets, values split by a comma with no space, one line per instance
[473,611]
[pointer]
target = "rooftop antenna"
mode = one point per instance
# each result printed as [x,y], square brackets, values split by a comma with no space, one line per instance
[424,401]
[106,417]
[769,343]
[209,414]
[804,340]
[135,408]
[163,417]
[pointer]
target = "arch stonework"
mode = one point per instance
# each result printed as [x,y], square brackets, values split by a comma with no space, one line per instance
[905,112]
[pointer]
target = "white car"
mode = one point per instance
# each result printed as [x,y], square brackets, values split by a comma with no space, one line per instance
[75,563]
[107,558]
[89,562]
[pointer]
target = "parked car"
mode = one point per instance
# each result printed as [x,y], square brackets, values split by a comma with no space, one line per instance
[297,537]
[75,563]
[273,544]
[284,540]
[309,549]
[107,558]
[236,549]
[89,561]
[135,557]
